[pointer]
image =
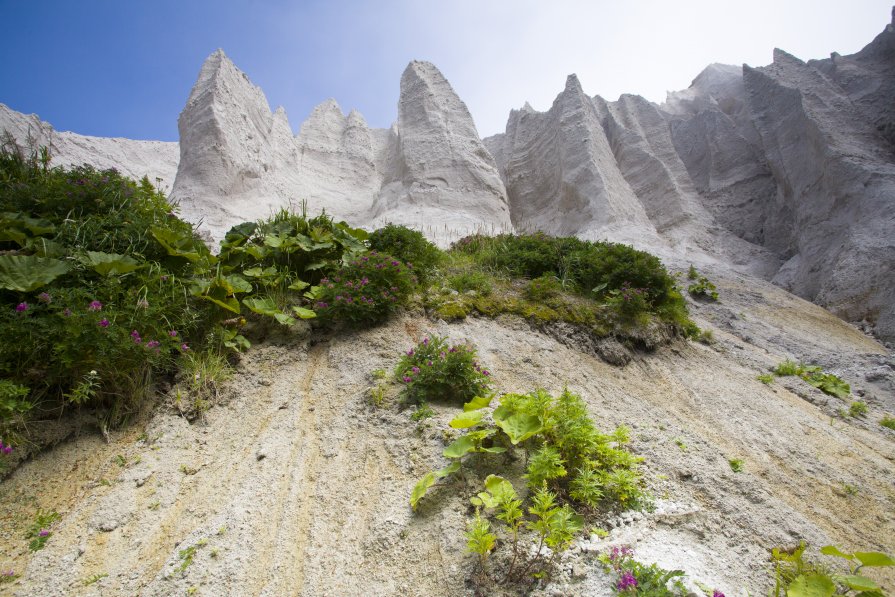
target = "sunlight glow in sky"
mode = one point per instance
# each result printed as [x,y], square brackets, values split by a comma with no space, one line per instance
[125,69]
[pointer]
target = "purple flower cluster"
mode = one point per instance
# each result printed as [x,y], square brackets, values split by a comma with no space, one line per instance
[95,306]
[45,297]
[21,307]
[626,581]
[619,553]
[5,449]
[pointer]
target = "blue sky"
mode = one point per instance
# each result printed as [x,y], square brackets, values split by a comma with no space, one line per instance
[125,68]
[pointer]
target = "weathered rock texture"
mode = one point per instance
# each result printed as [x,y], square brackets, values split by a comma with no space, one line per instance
[156,160]
[786,171]
[240,161]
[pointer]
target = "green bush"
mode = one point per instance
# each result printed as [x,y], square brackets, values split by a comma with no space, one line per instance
[570,454]
[409,246]
[635,578]
[595,269]
[365,291]
[432,370]
[95,284]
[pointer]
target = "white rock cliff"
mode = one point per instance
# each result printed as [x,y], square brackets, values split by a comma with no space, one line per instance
[786,172]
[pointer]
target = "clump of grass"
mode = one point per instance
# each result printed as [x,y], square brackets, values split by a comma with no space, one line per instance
[765,378]
[888,422]
[736,465]
[857,409]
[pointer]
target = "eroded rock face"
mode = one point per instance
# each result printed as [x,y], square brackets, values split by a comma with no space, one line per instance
[561,175]
[431,170]
[439,174]
[836,177]
[157,160]
[786,172]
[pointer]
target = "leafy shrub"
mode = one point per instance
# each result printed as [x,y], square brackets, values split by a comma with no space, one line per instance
[94,280]
[888,422]
[569,454]
[736,465]
[765,378]
[432,370]
[409,246]
[365,291]
[703,288]
[13,403]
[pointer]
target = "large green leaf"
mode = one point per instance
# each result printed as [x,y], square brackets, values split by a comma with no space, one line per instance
[181,244]
[303,313]
[811,585]
[874,558]
[20,228]
[237,284]
[459,447]
[217,290]
[108,264]
[857,582]
[478,402]
[467,419]
[429,480]
[518,426]
[498,490]
[832,550]
[26,272]
[266,306]
[471,442]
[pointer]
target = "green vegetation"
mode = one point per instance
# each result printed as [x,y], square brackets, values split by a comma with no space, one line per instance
[857,409]
[888,422]
[95,578]
[701,287]
[39,531]
[570,465]
[635,578]
[814,375]
[766,378]
[433,370]
[409,246]
[630,286]
[736,465]
[795,576]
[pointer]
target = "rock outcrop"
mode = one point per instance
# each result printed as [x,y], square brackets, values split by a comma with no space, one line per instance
[786,172]
[439,175]
[157,160]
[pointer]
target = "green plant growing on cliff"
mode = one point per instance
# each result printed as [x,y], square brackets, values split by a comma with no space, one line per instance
[827,383]
[435,370]
[795,576]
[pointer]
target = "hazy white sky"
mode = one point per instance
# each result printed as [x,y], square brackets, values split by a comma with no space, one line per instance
[114,68]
